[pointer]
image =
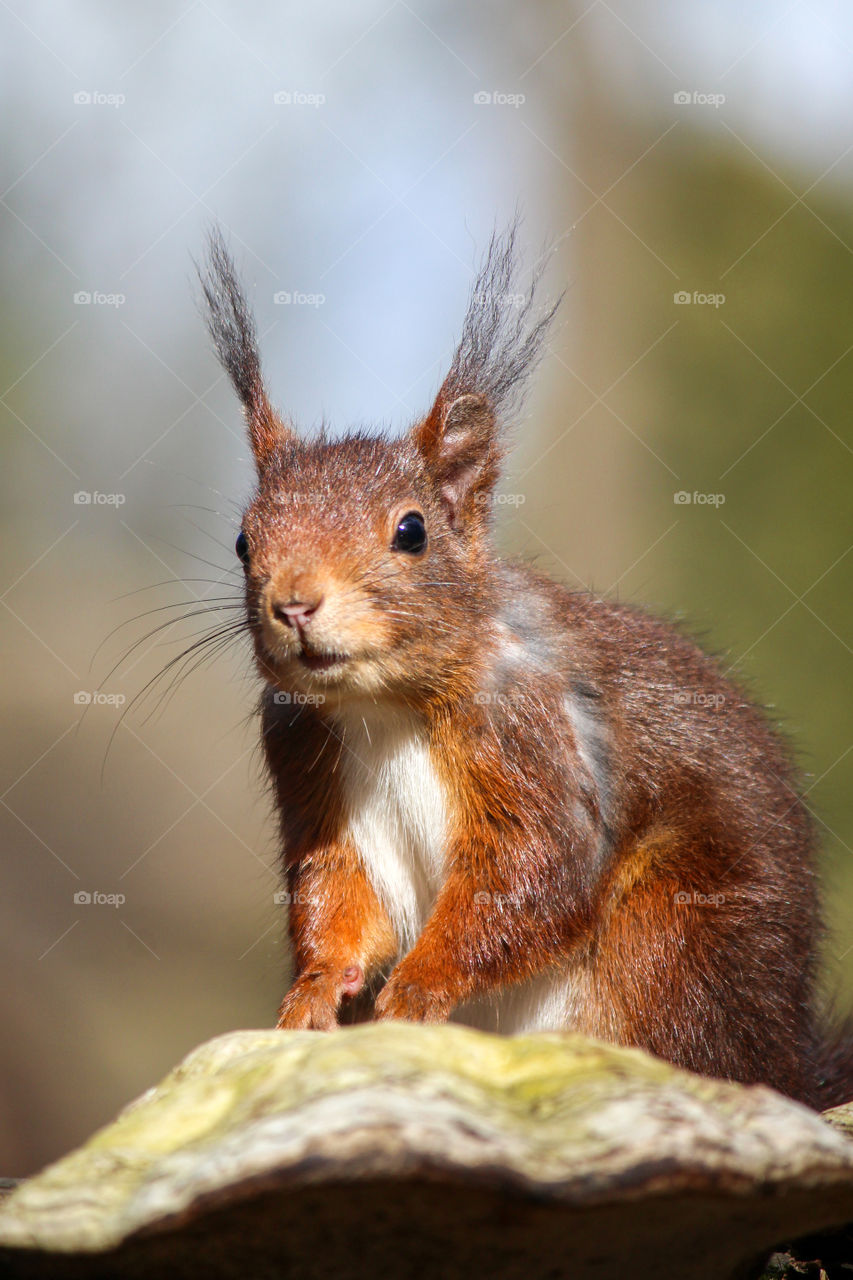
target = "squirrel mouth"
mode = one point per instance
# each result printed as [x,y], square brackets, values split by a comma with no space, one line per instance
[321,661]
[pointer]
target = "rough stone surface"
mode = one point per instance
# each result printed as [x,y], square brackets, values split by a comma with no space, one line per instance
[390,1150]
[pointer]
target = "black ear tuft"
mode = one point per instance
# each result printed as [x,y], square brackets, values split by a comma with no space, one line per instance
[501,343]
[502,337]
[232,328]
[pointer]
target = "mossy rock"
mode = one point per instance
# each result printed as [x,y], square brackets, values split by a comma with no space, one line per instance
[390,1150]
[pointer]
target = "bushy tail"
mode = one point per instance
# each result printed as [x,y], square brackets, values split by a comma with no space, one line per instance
[834,1083]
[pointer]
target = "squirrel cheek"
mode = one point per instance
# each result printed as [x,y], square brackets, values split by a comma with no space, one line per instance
[353,980]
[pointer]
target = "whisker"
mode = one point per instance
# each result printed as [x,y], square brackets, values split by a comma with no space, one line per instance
[183,551]
[172,471]
[173,622]
[169,582]
[218,645]
[190,635]
[217,604]
[167,625]
[228,631]
[196,506]
[223,546]
[227,628]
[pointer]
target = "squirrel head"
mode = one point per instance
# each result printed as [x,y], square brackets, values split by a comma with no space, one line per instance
[367,558]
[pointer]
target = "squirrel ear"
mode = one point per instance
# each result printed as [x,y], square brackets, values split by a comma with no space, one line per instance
[459,442]
[232,328]
[500,343]
[267,430]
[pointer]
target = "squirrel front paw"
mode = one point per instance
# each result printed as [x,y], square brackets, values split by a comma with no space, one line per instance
[410,1000]
[312,1002]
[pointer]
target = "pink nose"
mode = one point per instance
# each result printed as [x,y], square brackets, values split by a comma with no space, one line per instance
[296,613]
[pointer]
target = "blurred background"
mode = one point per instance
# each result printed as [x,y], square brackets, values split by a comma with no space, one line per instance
[686,444]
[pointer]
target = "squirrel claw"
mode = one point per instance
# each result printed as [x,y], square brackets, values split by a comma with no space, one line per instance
[410,1002]
[311,1004]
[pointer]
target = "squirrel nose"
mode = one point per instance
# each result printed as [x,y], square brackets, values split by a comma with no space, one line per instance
[296,612]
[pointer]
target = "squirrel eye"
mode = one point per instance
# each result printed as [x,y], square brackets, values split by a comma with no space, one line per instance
[241,546]
[410,534]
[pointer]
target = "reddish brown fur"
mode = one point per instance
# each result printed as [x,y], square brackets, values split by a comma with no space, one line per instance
[615,807]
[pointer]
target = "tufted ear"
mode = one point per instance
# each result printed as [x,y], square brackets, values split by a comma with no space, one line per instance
[502,339]
[460,445]
[232,328]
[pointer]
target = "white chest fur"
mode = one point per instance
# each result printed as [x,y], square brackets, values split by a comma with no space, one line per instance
[397,814]
[398,822]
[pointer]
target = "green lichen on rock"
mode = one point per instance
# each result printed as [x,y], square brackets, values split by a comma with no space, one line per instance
[295,1135]
[841,1118]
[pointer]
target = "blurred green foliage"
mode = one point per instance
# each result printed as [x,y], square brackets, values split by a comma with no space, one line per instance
[753,402]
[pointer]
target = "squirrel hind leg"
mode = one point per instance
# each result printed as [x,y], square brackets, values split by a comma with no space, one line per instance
[706,969]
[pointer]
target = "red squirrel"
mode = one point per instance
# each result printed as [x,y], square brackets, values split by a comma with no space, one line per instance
[503,802]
